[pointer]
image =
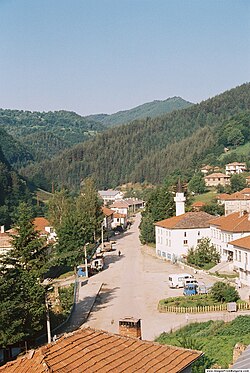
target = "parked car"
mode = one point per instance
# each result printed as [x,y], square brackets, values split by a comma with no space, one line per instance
[190,289]
[176,280]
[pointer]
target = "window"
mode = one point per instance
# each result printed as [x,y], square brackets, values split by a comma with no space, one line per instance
[185,234]
[246,259]
[198,241]
[164,254]
[199,233]
[239,255]
[185,242]
[169,257]
[166,242]
[169,243]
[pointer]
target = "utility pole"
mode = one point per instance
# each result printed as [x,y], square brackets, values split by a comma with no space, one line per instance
[47,317]
[102,237]
[86,260]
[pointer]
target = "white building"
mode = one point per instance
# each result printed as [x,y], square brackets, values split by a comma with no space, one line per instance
[235,168]
[241,258]
[225,229]
[176,235]
[110,195]
[238,201]
[122,207]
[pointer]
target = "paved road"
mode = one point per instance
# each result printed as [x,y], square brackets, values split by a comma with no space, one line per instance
[132,286]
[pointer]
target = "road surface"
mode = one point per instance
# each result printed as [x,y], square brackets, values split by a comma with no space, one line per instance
[133,284]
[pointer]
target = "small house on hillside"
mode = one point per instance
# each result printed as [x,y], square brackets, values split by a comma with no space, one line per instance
[122,207]
[235,168]
[197,206]
[45,229]
[215,179]
[110,195]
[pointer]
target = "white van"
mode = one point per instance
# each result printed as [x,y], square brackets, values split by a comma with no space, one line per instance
[176,280]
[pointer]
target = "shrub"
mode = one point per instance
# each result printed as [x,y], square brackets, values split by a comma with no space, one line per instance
[203,254]
[222,292]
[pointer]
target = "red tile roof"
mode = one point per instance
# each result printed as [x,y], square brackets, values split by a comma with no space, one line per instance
[5,241]
[120,204]
[89,350]
[233,222]
[40,224]
[219,174]
[107,211]
[198,204]
[118,216]
[243,242]
[188,220]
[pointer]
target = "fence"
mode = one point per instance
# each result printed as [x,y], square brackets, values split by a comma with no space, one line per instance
[201,309]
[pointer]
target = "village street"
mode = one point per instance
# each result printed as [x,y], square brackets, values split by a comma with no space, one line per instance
[132,286]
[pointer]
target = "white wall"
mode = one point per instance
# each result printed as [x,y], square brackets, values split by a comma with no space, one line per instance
[176,242]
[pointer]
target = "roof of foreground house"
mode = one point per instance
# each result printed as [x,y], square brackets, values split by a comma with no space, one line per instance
[235,222]
[108,193]
[120,204]
[218,174]
[189,220]
[90,350]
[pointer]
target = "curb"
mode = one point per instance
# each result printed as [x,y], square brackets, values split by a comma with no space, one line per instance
[92,305]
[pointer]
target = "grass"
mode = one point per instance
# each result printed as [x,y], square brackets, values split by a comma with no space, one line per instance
[240,150]
[216,338]
[224,275]
[66,274]
[205,197]
[43,196]
[198,300]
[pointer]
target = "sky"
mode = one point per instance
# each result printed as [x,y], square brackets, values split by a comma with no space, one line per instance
[102,56]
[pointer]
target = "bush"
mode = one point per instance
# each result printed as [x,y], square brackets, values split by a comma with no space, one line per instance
[222,292]
[203,254]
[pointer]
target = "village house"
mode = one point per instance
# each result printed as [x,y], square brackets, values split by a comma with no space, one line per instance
[215,179]
[197,206]
[45,229]
[91,350]
[207,169]
[122,207]
[225,229]
[110,195]
[108,217]
[238,201]
[120,220]
[241,258]
[5,241]
[135,204]
[176,235]
[235,168]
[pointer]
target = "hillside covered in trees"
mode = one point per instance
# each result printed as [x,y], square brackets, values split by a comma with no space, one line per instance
[149,149]
[150,109]
[43,135]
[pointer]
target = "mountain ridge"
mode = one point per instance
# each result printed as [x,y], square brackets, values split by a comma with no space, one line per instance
[149,109]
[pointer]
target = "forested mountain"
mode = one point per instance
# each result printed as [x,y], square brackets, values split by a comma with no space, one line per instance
[149,149]
[150,109]
[12,190]
[42,135]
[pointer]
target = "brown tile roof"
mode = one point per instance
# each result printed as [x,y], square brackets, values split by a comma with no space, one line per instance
[188,220]
[198,204]
[218,174]
[40,224]
[117,215]
[245,190]
[233,222]
[223,196]
[236,164]
[243,242]
[120,204]
[89,350]
[107,211]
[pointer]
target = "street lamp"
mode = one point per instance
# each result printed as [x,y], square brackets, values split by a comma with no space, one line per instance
[102,237]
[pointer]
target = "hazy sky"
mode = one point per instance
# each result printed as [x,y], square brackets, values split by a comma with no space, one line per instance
[93,56]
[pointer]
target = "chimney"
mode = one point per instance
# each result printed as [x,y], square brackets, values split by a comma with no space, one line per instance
[2,228]
[130,327]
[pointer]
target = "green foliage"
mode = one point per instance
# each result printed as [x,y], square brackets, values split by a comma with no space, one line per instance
[21,305]
[150,109]
[222,292]
[159,206]
[29,252]
[198,300]
[216,338]
[66,295]
[213,208]
[203,254]
[238,182]
[77,221]
[150,148]
[197,184]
